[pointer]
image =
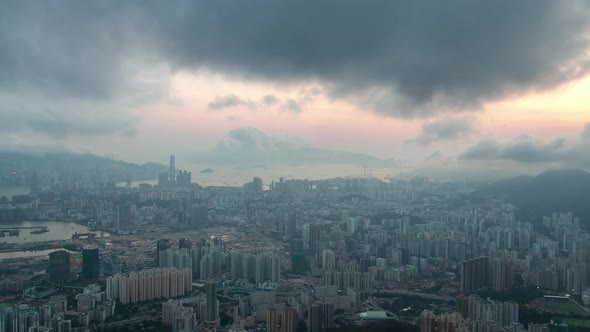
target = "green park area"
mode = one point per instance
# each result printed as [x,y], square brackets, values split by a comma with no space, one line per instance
[560,306]
[577,323]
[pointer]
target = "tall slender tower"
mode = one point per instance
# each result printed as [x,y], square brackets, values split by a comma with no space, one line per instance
[172,174]
[212,303]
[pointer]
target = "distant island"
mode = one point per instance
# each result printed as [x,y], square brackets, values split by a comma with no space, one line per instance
[207,171]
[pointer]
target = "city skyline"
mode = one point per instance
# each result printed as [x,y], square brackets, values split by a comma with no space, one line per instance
[295,166]
[140,88]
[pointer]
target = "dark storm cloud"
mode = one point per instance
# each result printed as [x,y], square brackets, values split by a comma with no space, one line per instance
[400,58]
[65,48]
[445,129]
[527,149]
[428,54]
[249,146]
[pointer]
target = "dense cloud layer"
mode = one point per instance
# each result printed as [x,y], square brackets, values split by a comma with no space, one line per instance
[527,149]
[399,58]
[445,129]
[248,147]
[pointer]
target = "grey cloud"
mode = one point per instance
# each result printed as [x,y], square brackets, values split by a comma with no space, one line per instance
[223,102]
[445,129]
[435,156]
[249,146]
[521,149]
[270,100]
[63,118]
[527,149]
[405,59]
[304,98]
[586,133]
[401,58]
[293,106]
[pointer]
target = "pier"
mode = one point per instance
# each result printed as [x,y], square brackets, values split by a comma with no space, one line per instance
[15,231]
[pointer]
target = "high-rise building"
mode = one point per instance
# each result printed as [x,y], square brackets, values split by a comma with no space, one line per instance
[163,180]
[429,322]
[149,284]
[18,318]
[59,266]
[123,219]
[272,320]
[183,179]
[321,317]
[161,246]
[185,243]
[236,266]
[172,172]
[292,224]
[45,315]
[314,239]
[184,320]
[64,325]
[90,262]
[212,303]
[501,313]
[474,274]
[289,320]
[34,183]
[328,259]
[305,232]
[351,225]
[198,215]
[501,275]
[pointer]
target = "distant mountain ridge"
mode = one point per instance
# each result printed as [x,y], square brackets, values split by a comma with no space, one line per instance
[564,190]
[77,167]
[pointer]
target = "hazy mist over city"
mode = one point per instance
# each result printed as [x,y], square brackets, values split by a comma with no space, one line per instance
[295,165]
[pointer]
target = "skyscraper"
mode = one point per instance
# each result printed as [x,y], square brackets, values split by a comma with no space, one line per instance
[163,180]
[289,320]
[185,243]
[59,266]
[90,262]
[212,303]
[123,216]
[161,245]
[198,215]
[34,183]
[183,179]
[314,239]
[474,274]
[172,172]
[272,320]
[292,224]
[321,317]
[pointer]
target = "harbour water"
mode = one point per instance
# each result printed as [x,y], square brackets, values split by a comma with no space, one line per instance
[26,254]
[14,190]
[57,231]
[238,177]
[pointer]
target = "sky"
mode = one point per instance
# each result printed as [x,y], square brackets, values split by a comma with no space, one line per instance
[449,89]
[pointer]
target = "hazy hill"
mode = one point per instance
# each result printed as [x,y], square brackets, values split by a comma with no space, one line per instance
[75,167]
[548,192]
